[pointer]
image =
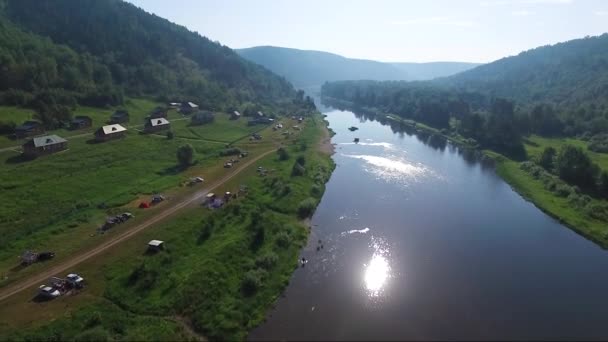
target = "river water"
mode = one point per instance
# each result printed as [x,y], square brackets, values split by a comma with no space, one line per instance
[422,242]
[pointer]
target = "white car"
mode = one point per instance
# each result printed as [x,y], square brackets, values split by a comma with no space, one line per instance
[49,292]
[75,280]
[197,180]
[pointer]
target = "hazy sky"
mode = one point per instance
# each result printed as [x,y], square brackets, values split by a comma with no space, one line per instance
[390,30]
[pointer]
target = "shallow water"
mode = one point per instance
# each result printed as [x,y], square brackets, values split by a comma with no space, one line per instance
[422,242]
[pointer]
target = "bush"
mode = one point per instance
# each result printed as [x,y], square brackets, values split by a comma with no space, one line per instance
[283,155]
[185,155]
[267,261]
[316,190]
[252,281]
[301,160]
[307,207]
[170,135]
[283,239]
[563,190]
[298,170]
[230,152]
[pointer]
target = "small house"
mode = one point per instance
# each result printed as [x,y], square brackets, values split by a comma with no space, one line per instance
[174,104]
[188,108]
[44,145]
[28,129]
[80,122]
[156,125]
[235,115]
[201,118]
[158,112]
[110,132]
[119,116]
[156,245]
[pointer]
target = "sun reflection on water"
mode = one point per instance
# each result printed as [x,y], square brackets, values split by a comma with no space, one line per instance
[377,271]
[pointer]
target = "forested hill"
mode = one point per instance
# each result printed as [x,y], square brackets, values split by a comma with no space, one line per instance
[305,68]
[97,51]
[569,74]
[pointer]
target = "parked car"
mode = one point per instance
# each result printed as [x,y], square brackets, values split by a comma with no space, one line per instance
[42,256]
[75,280]
[126,216]
[48,291]
[157,199]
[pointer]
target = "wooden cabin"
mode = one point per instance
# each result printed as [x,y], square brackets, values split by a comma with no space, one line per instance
[44,145]
[119,116]
[28,129]
[156,125]
[110,132]
[188,108]
[80,122]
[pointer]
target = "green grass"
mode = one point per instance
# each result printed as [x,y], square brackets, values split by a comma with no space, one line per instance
[201,274]
[222,130]
[138,110]
[15,114]
[105,321]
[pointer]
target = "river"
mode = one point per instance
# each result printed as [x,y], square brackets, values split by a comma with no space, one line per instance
[422,242]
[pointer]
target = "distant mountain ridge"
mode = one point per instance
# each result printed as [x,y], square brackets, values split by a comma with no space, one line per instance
[308,68]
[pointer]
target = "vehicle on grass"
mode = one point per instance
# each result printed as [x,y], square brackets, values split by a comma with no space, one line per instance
[48,292]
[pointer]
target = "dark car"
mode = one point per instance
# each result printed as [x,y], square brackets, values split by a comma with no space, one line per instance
[46,256]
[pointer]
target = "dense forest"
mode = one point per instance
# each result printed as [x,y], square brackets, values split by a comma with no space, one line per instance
[55,54]
[572,76]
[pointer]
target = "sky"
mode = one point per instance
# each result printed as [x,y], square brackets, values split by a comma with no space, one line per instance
[390,30]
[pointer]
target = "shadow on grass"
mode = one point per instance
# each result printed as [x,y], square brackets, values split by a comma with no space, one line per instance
[41,299]
[174,170]
[20,158]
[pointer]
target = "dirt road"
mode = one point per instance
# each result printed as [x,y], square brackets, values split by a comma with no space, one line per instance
[166,212]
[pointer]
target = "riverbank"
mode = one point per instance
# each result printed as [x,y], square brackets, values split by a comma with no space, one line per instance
[221,270]
[561,207]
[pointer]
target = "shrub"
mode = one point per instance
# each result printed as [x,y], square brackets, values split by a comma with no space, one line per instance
[298,170]
[563,190]
[252,281]
[316,190]
[301,160]
[307,207]
[170,135]
[283,239]
[230,152]
[185,155]
[267,261]
[282,152]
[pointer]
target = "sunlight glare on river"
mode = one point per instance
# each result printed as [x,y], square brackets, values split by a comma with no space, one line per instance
[392,168]
[377,270]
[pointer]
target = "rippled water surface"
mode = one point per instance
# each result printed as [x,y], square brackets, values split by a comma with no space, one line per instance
[418,242]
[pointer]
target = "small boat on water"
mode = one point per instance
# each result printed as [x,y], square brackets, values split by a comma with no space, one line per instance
[356,140]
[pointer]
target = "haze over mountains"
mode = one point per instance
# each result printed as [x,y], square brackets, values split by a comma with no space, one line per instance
[306,68]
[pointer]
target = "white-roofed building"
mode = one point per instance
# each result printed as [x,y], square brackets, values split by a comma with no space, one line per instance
[109,132]
[157,124]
